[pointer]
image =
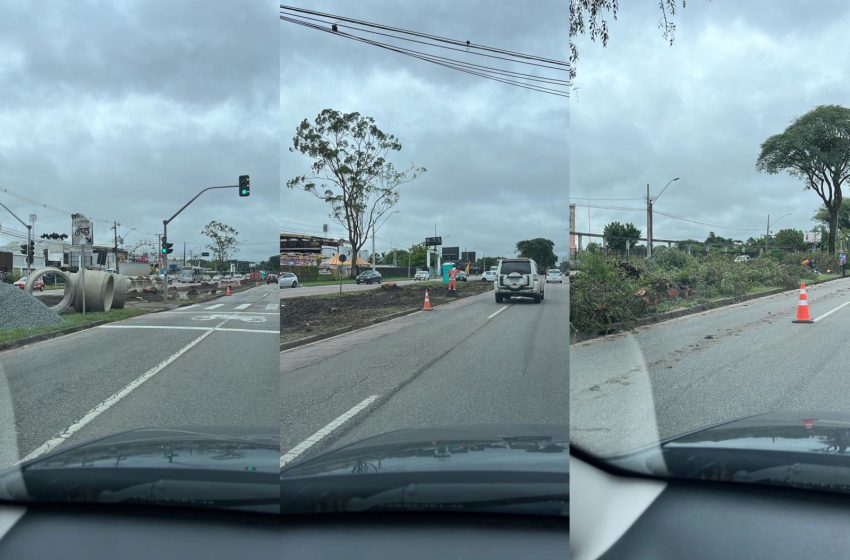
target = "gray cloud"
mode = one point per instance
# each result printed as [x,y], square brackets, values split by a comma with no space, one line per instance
[496,155]
[123,111]
[645,112]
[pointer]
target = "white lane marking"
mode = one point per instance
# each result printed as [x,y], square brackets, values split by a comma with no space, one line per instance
[828,313]
[293,453]
[229,312]
[166,327]
[190,306]
[216,306]
[242,306]
[62,436]
[497,312]
[271,306]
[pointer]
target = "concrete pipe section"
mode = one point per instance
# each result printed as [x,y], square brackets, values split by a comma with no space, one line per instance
[99,290]
[70,286]
[120,292]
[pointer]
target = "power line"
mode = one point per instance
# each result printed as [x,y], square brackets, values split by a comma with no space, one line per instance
[428,36]
[465,67]
[692,220]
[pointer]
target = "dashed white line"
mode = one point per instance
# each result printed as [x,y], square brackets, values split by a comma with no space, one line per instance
[299,449]
[216,306]
[490,316]
[828,313]
[110,402]
[242,306]
[190,306]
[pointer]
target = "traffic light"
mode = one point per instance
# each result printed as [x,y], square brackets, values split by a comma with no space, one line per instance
[166,248]
[23,248]
[31,254]
[244,185]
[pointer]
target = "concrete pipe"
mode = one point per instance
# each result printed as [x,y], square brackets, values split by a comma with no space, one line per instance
[67,298]
[120,292]
[99,290]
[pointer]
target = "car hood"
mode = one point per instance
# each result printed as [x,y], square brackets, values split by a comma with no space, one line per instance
[218,467]
[795,448]
[484,468]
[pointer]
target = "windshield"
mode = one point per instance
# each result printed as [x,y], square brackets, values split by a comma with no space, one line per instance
[708,298]
[441,394]
[131,142]
[520,267]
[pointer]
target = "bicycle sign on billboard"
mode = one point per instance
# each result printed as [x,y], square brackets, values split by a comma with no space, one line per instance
[81,227]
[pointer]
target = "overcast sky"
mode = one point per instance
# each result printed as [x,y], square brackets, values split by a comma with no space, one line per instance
[124,110]
[496,154]
[739,72]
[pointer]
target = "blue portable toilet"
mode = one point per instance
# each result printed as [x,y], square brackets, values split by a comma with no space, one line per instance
[446,268]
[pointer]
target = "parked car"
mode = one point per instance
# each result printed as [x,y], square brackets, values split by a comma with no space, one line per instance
[519,277]
[368,277]
[39,284]
[422,275]
[271,278]
[461,276]
[488,276]
[216,278]
[742,258]
[554,275]
[287,280]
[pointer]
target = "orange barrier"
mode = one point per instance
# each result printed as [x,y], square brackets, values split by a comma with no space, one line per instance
[427,306]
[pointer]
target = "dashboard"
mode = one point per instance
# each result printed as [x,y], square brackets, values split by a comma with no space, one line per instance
[617,517]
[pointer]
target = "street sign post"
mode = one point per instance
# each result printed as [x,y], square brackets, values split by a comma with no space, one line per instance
[82,235]
[342,259]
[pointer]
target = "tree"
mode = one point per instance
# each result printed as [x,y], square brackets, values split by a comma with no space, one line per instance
[586,16]
[816,149]
[616,235]
[540,249]
[822,215]
[223,239]
[484,263]
[397,257]
[350,171]
[418,256]
[594,247]
[792,239]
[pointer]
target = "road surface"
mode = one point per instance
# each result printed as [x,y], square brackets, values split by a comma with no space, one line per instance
[662,380]
[471,361]
[212,363]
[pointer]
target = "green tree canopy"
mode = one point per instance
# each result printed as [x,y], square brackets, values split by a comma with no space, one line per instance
[816,149]
[616,235]
[350,170]
[791,239]
[540,249]
[224,239]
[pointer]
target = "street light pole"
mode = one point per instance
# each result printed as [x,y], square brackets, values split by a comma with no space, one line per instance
[649,203]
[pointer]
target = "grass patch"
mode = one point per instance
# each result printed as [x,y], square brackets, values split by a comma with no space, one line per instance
[308,283]
[72,320]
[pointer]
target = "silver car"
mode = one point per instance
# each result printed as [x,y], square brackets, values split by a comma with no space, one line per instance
[287,280]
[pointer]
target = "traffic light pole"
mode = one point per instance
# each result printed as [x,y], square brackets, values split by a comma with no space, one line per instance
[165,230]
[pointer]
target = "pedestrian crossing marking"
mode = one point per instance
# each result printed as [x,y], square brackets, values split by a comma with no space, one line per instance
[243,306]
[216,306]
[271,306]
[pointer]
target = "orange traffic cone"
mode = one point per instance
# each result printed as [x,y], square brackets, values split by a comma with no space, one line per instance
[427,306]
[803,307]
[228,291]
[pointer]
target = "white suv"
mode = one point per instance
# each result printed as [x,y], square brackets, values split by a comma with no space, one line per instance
[519,277]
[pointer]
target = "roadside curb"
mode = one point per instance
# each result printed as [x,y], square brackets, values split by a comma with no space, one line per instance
[48,335]
[619,328]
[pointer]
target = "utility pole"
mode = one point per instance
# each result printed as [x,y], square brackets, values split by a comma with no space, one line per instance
[767,235]
[115,238]
[373,247]
[184,253]
[648,224]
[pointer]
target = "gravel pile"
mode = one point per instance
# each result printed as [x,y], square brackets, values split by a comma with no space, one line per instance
[19,310]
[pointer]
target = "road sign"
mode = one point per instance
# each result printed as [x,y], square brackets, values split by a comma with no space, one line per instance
[433,241]
[451,253]
[83,232]
[468,257]
[205,254]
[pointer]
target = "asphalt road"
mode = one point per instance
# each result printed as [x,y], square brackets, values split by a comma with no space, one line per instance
[471,361]
[207,364]
[631,389]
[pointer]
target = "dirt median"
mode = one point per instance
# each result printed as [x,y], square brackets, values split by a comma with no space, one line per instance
[308,316]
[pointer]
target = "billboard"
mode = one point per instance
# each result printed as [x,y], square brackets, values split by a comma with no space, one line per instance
[451,253]
[813,237]
[433,241]
[467,257]
[82,230]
